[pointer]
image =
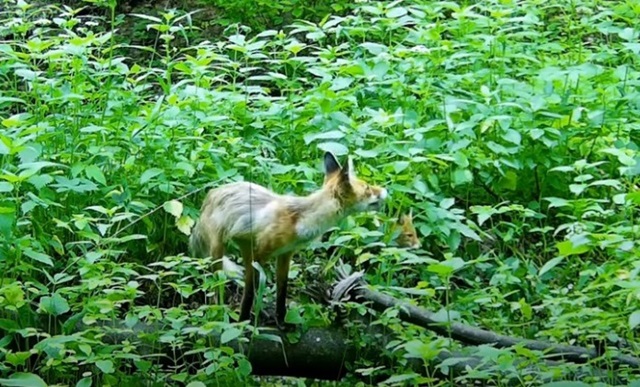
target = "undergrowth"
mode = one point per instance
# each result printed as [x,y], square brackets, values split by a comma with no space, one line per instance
[510,128]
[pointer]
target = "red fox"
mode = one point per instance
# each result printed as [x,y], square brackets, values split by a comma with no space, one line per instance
[268,225]
[408,237]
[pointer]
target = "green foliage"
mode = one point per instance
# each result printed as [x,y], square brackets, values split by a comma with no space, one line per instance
[511,129]
[264,14]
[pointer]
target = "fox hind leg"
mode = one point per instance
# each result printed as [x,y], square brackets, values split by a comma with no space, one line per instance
[216,251]
[282,279]
[250,282]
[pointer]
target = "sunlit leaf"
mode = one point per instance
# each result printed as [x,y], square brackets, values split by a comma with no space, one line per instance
[185,224]
[566,248]
[334,147]
[173,207]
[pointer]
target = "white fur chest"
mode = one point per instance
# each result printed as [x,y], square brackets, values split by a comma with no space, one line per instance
[308,231]
[314,223]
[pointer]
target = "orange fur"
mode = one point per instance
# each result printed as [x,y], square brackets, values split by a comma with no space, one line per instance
[267,225]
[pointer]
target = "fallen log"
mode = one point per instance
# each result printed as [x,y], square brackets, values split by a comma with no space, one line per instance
[329,352]
[324,353]
[353,285]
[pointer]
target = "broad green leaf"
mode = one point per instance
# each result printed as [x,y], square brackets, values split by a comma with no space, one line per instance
[397,12]
[446,268]
[400,166]
[8,325]
[330,135]
[400,378]
[509,181]
[5,187]
[244,367]
[467,231]
[577,188]
[483,212]
[557,202]
[5,144]
[6,340]
[462,176]
[334,147]
[607,183]
[461,160]
[23,379]
[18,358]
[93,256]
[85,348]
[341,83]
[84,382]
[26,74]
[94,172]
[36,166]
[628,34]
[13,294]
[230,334]
[447,203]
[512,136]
[105,366]
[54,305]
[366,153]
[7,219]
[149,174]
[196,384]
[374,48]
[293,316]
[633,197]
[550,265]
[40,257]
[562,169]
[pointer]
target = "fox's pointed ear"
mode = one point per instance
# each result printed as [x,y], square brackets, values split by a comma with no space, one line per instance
[331,164]
[348,169]
[411,213]
[400,220]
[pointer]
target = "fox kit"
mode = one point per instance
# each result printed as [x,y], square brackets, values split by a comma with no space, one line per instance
[268,225]
[407,237]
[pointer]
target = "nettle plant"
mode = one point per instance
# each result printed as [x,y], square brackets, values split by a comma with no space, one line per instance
[510,131]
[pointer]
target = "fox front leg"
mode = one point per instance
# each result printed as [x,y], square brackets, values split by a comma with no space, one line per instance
[248,294]
[282,277]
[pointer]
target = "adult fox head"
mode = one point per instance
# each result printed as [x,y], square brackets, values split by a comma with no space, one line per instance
[354,194]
